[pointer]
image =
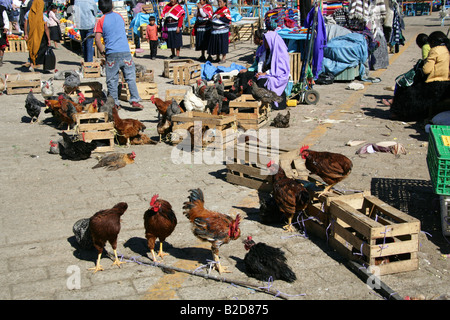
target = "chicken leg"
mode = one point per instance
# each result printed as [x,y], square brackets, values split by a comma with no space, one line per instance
[215,252]
[97,267]
[288,227]
[161,253]
[326,189]
[116,260]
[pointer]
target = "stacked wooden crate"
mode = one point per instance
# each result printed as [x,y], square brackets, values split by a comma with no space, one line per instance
[187,73]
[250,113]
[146,91]
[170,64]
[96,127]
[91,69]
[17,46]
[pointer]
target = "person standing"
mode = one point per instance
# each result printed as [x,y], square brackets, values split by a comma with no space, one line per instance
[4,28]
[151,34]
[116,51]
[53,25]
[173,17]
[202,27]
[85,13]
[37,33]
[221,21]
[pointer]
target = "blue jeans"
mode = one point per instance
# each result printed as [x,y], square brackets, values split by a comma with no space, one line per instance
[88,45]
[121,61]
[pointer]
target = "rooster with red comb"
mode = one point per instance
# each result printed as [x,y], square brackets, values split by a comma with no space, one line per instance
[159,222]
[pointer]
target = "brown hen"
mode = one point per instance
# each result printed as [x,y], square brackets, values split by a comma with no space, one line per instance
[105,227]
[330,167]
[126,128]
[159,222]
[289,194]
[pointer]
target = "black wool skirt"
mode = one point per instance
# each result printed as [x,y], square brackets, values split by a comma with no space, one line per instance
[218,43]
[175,40]
[55,33]
[202,37]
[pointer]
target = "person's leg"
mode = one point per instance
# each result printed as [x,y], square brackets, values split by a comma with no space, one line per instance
[112,76]
[129,73]
[89,47]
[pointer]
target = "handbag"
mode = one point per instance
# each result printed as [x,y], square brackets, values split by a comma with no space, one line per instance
[408,78]
[49,59]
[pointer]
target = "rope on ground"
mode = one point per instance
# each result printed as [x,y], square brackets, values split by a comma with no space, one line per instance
[244,284]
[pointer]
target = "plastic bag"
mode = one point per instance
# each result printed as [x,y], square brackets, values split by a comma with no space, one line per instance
[49,59]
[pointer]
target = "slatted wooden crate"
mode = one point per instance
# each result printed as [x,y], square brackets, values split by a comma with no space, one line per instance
[170,64]
[250,113]
[22,83]
[219,136]
[295,63]
[362,227]
[91,69]
[96,127]
[186,74]
[247,165]
[146,90]
[90,89]
[17,46]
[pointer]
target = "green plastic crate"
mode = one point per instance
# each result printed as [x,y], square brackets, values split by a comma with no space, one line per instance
[348,74]
[438,159]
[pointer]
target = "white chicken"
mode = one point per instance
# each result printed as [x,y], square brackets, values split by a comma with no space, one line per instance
[192,102]
[3,84]
[47,89]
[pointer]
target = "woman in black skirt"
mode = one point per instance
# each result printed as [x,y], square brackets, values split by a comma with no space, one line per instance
[53,25]
[202,27]
[221,21]
[173,17]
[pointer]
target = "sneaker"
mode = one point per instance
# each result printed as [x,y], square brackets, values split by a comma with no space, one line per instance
[176,57]
[136,105]
[202,59]
[172,56]
[216,60]
[223,61]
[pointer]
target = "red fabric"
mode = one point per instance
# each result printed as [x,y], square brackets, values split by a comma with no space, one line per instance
[175,12]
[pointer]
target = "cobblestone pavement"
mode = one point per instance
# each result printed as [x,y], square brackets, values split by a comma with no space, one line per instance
[43,196]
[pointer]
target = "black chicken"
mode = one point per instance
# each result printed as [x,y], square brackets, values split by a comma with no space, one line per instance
[281,121]
[268,211]
[263,262]
[75,150]
[33,106]
[264,95]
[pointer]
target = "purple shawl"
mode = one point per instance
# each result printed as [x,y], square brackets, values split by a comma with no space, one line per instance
[278,76]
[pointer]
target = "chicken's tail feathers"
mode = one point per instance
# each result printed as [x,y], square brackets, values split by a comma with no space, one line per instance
[196,200]
[288,275]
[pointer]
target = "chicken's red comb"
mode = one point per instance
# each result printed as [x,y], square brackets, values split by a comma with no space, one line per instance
[271,162]
[154,198]
[249,238]
[304,148]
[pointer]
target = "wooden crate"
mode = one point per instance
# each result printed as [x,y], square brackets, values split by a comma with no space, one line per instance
[377,233]
[362,227]
[247,165]
[187,73]
[177,94]
[91,69]
[295,63]
[220,134]
[17,46]
[250,114]
[146,90]
[91,89]
[22,83]
[96,127]
[170,64]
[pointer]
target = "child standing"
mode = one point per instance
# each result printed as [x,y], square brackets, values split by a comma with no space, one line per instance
[152,37]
